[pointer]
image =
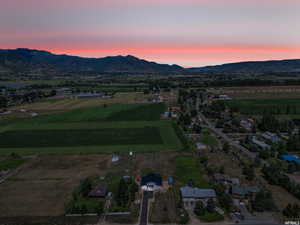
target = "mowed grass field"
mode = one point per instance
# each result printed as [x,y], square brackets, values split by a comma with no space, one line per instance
[101,129]
[278,106]
[261,92]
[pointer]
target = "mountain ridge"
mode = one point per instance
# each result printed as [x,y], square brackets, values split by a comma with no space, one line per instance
[32,61]
[285,65]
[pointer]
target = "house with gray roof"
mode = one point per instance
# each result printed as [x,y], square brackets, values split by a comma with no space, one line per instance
[260,144]
[225,179]
[190,195]
[201,146]
[243,192]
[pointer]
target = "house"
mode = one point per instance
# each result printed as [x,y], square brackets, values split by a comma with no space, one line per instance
[243,192]
[63,91]
[100,191]
[151,182]
[225,179]
[291,158]
[190,195]
[201,146]
[156,99]
[224,97]
[259,143]
[271,137]
[89,95]
[246,124]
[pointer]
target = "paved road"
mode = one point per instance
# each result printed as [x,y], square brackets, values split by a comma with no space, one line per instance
[251,155]
[144,208]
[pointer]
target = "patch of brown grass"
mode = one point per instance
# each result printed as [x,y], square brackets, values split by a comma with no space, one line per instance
[43,188]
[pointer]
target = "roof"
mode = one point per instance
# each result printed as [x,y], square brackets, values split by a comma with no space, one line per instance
[244,190]
[193,192]
[152,178]
[219,176]
[291,158]
[235,181]
[99,191]
[200,145]
[238,190]
[260,143]
[86,95]
[224,177]
[253,189]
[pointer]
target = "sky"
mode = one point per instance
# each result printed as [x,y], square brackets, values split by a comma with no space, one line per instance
[185,32]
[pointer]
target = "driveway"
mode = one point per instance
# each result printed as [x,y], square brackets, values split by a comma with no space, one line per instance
[144,208]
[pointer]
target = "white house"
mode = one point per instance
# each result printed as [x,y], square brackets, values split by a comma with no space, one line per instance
[151,182]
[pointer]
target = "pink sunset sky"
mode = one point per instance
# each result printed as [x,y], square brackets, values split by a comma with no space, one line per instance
[184,32]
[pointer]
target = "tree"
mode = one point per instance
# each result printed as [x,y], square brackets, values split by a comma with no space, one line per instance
[263,201]
[3,102]
[248,171]
[199,209]
[122,197]
[226,201]
[226,147]
[85,187]
[292,211]
[53,93]
[210,205]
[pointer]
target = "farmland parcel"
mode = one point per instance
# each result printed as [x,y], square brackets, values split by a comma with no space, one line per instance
[102,129]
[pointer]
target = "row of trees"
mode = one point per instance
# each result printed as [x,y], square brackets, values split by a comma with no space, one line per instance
[275,173]
[292,211]
[27,97]
[263,201]
[80,203]
[293,144]
[126,193]
[270,123]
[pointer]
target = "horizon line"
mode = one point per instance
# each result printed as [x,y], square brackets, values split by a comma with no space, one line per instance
[54,52]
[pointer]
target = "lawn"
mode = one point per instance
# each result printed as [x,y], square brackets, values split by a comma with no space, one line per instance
[189,168]
[209,140]
[80,137]
[114,128]
[280,106]
[211,217]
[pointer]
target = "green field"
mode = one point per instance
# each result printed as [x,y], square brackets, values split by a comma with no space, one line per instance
[188,167]
[116,112]
[278,106]
[79,137]
[115,128]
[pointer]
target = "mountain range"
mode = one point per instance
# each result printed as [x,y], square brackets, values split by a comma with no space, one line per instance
[292,65]
[36,61]
[27,61]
